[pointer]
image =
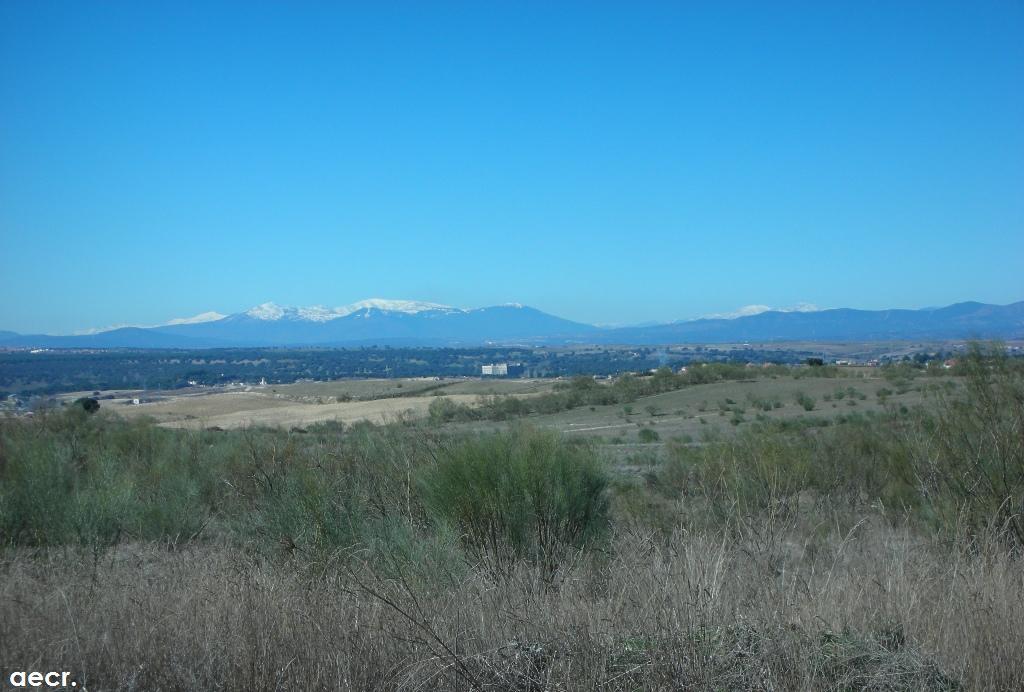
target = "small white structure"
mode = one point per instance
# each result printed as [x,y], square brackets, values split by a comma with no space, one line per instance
[502,370]
[136,402]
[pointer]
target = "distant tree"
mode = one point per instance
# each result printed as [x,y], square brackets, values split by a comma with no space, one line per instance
[815,362]
[88,404]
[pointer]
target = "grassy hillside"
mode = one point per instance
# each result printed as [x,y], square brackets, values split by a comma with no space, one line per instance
[868,546]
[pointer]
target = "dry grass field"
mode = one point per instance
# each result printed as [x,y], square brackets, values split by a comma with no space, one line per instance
[871,607]
[690,412]
[305,403]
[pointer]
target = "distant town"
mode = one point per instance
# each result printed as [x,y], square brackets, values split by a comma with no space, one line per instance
[32,378]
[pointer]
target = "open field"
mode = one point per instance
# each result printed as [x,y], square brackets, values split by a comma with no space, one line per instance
[304,403]
[229,412]
[688,414]
[696,409]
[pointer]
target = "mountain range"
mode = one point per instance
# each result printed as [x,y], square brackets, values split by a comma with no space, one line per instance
[412,323]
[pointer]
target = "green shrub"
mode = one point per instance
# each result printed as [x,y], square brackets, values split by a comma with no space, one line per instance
[765,467]
[763,404]
[973,456]
[804,400]
[521,494]
[444,410]
[87,404]
[72,477]
[648,435]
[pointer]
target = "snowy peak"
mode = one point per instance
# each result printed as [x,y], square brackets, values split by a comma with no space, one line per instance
[272,312]
[751,310]
[210,316]
[267,311]
[316,313]
[409,307]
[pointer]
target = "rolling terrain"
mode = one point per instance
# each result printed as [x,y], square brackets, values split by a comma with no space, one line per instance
[688,414]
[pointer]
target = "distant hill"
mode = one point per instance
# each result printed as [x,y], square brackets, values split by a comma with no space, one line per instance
[410,323]
[370,322]
[125,337]
[959,321]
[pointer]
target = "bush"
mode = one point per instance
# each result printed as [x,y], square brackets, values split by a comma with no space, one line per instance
[805,400]
[71,477]
[973,456]
[444,410]
[88,404]
[521,494]
[648,435]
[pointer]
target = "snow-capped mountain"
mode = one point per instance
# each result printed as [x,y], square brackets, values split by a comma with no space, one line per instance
[318,313]
[195,319]
[413,323]
[210,316]
[373,321]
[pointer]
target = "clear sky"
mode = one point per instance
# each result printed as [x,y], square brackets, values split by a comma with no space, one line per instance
[611,163]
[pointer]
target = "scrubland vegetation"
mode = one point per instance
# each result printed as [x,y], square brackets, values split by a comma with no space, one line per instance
[586,391]
[873,551]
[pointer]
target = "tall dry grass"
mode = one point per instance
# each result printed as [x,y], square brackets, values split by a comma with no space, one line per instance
[875,607]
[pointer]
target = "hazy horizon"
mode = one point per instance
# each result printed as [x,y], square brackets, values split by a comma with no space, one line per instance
[607,164]
[743,311]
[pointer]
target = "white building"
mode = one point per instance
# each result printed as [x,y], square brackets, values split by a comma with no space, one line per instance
[502,370]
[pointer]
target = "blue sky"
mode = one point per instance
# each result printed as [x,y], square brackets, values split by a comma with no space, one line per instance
[618,162]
